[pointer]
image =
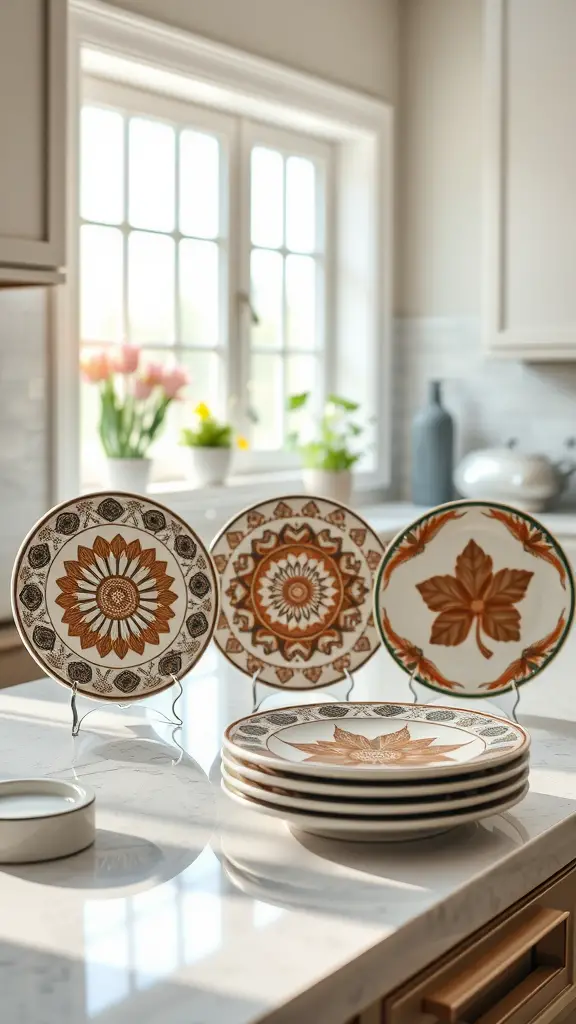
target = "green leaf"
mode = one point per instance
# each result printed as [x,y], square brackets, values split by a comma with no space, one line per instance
[343,403]
[297,401]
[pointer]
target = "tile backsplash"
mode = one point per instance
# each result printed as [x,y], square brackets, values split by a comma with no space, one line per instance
[24,423]
[492,400]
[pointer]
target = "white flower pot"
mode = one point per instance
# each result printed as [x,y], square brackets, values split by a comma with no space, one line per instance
[129,474]
[325,484]
[209,467]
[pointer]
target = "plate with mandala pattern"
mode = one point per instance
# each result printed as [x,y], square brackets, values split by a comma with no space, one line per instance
[474,598]
[366,740]
[116,594]
[296,581]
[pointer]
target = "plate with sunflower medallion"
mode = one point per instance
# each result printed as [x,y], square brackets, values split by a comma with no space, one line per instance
[368,740]
[474,598]
[115,594]
[296,579]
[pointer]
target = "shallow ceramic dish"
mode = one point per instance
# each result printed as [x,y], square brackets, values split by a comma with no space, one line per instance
[296,582]
[114,594]
[42,819]
[369,740]
[393,807]
[348,790]
[381,829]
[474,598]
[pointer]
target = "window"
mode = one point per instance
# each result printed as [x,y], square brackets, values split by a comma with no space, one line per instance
[204,240]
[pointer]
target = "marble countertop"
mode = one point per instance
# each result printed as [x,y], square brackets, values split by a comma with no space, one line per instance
[192,910]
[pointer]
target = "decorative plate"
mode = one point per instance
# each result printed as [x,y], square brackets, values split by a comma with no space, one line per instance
[115,593]
[363,828]
[396,807]
[474,598]
[296,581]
[364,788]
[375,740]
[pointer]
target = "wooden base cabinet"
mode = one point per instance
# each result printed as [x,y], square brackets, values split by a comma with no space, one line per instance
[520,969]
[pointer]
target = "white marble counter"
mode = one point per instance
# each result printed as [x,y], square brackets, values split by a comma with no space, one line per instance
[191,910]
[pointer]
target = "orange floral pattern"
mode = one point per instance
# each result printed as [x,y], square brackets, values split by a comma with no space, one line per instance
[392,748]
[116,597]
[414,543]
[475,593]
[412,658]
[531,659]
[531,538]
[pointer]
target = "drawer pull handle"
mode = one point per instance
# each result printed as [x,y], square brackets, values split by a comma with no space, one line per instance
[450,1000]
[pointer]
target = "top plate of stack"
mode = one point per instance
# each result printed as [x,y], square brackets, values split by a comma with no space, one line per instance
[370,741]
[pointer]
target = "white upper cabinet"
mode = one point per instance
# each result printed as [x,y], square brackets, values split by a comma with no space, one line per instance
[530,243]
[33,59]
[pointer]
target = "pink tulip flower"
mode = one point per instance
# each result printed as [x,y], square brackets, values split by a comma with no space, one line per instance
[154,374]
[127,359]
[174,380]
[97,368]
[142,389]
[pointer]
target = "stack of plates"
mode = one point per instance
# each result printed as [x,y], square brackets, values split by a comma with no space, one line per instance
[371,771]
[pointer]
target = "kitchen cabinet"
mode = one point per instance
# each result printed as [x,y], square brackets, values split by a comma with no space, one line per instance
[33,62]
[530,168]
[520,969]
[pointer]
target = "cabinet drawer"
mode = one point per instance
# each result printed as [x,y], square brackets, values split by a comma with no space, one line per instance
[520,970]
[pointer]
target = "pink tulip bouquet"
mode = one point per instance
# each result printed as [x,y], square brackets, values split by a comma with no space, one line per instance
[133,400]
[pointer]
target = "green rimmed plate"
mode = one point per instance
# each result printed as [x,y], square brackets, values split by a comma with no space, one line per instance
[474,598]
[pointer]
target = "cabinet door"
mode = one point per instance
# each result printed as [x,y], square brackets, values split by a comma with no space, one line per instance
[530,255]
[33,58]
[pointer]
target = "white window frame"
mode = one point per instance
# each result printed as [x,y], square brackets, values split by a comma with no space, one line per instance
[184,66]
[254,133]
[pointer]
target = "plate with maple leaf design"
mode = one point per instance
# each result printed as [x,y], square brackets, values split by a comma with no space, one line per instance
[367,740]
[474,598]
[114,594]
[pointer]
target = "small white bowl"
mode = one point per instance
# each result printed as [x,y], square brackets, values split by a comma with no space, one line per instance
[41,819]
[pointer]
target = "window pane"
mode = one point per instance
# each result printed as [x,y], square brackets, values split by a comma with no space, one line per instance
[204,369]
[151,175]
[302,374]
[300,204]
[100,283]
[267,401]
[92,455]
[102,165]
[150,288]
[199,184]
[266,294]
[267,197]
[301,302]
[199,292]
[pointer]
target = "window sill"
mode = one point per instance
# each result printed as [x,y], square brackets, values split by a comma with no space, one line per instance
[208,508]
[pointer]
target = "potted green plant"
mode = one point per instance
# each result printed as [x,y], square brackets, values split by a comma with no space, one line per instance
[210,445]
[325,447]
[133,407]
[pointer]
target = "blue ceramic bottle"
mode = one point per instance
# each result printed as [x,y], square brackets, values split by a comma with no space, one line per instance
[432,451]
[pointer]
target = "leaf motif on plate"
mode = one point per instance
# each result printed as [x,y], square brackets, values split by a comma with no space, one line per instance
[393,748]
[415,541]
[475,594]
[531,660]
[412,657]
[531,538]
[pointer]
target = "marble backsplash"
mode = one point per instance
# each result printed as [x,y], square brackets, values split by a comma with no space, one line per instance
[492,400]
[24,423]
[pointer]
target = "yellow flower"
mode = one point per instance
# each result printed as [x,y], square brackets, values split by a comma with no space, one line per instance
[242,443]
[202,411]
